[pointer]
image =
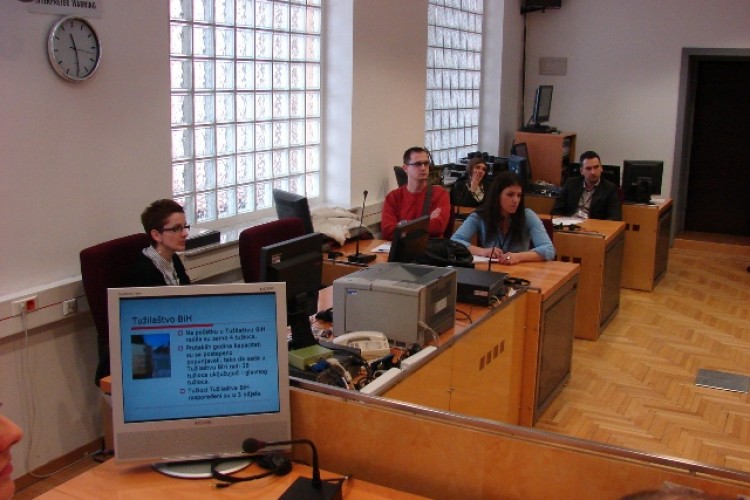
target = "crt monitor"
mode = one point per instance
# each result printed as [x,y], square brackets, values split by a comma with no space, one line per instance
[291,205]
[641,179]
[299,263]
[410,240]
[196,370]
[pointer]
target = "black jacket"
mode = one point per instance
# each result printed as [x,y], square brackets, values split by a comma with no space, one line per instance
[605,202]
[143,272]
[460,194]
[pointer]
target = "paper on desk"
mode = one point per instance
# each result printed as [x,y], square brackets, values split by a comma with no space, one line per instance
[479,259]
[566,221]
[383,248]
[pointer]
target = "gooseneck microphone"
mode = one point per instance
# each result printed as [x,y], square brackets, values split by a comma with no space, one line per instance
[302,487]
[361,258]
[252,445]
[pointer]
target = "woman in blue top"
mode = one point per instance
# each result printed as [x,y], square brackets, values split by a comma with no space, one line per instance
[504,228]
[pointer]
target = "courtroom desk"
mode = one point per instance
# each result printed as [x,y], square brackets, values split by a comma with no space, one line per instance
[549,153]
[598,247]
[111,480]
[510,361]
[336,268]
[446,456]
[508,365]
[647,232]
[540,204]
[548,341]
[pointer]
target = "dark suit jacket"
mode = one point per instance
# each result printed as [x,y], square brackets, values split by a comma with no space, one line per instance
[605,202]
[143,272]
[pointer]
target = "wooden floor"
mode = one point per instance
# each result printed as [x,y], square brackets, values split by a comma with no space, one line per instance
[634,387]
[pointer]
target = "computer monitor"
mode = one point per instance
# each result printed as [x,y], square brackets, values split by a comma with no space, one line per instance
[291,205]
[520,166]
[641,179]
[299,263]
[196,370]
[410,240]
[542,109]
[612,174]
[520,149]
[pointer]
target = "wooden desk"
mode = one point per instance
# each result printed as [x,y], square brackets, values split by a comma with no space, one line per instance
[538,203]
[111,480]
[548,153]
[336,268]
[509,362]
[598,247]
[647,229]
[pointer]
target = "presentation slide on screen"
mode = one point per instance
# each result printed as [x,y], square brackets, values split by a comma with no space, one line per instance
[199,356]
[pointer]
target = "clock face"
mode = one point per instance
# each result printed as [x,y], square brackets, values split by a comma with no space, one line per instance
[73,48]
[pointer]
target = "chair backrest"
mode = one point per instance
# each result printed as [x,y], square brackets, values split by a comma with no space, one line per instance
[253,239]
[106,266]
[547,222]
[401,177]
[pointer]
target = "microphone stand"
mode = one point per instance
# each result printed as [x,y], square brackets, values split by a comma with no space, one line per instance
[361,258]
[302,488]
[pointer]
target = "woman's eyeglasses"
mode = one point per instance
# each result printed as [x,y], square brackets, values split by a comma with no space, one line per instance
[176,229]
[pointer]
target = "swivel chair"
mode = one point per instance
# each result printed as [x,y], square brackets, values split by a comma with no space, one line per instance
[105,266]
[253,239]
[401,177]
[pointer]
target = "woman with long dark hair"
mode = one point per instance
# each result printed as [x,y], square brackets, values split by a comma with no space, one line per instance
[504,228]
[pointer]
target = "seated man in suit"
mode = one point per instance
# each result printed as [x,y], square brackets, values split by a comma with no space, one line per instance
[589,196]
[408,201]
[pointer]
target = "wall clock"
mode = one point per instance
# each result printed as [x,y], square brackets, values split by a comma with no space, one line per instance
[74,49]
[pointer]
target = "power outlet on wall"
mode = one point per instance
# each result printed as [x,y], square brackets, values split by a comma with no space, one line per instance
[25,305]
[69,307]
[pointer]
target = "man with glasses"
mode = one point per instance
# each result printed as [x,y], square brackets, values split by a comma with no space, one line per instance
[416,198]
[165,224]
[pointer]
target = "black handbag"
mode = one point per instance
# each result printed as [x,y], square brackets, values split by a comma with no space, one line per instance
[446,252]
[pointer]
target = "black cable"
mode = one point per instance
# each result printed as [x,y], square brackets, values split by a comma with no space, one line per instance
[468,316]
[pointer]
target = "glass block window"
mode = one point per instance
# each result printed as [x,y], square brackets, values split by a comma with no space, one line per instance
[246,101]
[454,68]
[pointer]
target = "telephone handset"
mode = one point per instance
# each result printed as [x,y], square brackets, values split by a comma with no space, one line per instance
[372,345]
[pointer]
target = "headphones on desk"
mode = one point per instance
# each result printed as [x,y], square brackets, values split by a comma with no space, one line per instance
[516,282]
[569,227]
[277,465]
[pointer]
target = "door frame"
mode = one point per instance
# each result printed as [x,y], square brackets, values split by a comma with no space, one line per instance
[685,121]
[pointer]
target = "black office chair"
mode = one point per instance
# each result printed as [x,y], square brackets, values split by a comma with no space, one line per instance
[401,177]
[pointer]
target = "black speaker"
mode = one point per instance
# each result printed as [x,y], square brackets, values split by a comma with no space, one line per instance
[536,5]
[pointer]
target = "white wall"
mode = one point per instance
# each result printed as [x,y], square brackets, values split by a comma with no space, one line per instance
[390,51]
[620,92]
[79,161]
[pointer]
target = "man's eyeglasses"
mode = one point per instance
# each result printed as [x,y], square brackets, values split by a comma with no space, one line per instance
[176,229]
[419,164]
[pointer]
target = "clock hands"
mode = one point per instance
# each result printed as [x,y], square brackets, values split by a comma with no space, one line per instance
[78,65]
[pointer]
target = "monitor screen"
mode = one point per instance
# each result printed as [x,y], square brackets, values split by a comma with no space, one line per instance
[197,369]
[410,240]
[520,166]
[298,262]
[542,104]
[291,205]
[612,174]
[641,179]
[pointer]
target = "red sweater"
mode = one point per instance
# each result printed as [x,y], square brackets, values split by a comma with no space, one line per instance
[400,205]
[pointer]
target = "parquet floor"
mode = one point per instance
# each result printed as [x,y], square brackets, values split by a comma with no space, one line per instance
[634,387]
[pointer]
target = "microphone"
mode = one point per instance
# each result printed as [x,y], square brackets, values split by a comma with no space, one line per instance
[361,258]
[302,486]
